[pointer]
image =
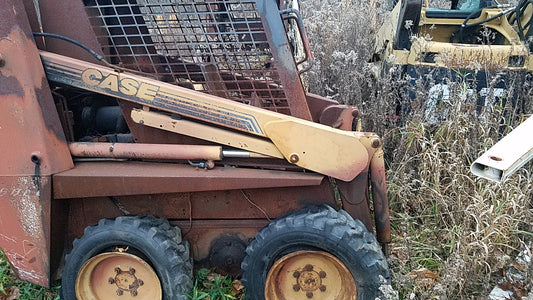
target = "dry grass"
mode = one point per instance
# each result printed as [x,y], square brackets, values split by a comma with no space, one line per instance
[453,234]
[462,228]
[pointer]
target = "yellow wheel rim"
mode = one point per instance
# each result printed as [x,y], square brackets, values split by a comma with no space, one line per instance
[112,274]
[307,275]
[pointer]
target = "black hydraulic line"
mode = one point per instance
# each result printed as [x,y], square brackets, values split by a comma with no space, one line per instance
[84,47]
[519,10]
[72,41]
[464,25]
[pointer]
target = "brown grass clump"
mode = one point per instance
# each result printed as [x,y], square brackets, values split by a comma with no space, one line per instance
[453,234]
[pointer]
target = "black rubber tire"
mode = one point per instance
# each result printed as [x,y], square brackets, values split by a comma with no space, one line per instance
[317,228]
[153,239]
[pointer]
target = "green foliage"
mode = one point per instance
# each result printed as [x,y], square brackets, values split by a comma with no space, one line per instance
[10,286]
[6,278]
[213,286]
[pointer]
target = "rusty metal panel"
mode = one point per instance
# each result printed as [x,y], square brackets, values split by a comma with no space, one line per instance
[92,179]
[203,216]
[236,49]
[204,235]
[24,223]
[379,197]
[227,205]
[355,198]
[29,124]
[33,147]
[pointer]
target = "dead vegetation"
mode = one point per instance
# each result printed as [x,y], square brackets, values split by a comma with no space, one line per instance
[454,235]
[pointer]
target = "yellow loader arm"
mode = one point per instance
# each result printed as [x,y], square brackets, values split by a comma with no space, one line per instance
[323,149]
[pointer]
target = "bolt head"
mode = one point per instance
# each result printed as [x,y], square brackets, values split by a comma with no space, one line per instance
[376,143]
[294,158]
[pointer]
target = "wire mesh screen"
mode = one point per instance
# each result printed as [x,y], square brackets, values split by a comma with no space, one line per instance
[219,47]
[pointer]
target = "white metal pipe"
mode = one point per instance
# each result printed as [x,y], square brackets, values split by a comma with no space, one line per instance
[508,155]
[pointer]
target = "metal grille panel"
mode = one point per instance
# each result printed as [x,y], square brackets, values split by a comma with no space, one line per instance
[218,47]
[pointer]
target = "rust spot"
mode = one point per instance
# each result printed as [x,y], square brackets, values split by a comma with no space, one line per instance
[11,86]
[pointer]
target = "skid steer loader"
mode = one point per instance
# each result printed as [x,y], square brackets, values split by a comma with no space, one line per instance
[483,45]
[142,138]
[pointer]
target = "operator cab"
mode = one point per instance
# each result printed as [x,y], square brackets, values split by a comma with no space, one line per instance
[459,9]
[478,22]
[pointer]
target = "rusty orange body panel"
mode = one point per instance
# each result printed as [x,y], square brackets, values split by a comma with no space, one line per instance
[33,148]
[93,179]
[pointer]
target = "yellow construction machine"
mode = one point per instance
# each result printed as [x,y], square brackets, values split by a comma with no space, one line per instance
[486,45]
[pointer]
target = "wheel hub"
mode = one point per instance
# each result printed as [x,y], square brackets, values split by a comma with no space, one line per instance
[126,281]
[112,274]
[309,275]
[309,279]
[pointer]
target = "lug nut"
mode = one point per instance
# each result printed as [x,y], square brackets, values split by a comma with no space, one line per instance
[118,270]
[322,274]
[296,274]
[120,292]
[308,268]
[296,287]
[133,293]
[140,282]
[111,280]
[132,271]
[322,288]
[309,295]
